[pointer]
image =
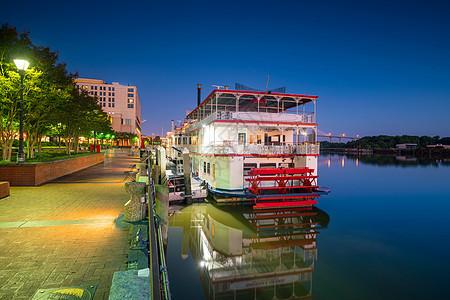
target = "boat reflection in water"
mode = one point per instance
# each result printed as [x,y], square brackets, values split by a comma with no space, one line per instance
[241,253]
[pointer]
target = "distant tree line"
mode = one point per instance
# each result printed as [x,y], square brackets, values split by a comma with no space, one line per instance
[53,106]
[388,142]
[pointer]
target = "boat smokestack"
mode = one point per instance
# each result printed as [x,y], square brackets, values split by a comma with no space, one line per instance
[199,93]
[172,126]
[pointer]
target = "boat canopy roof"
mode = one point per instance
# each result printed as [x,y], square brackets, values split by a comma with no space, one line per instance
[237,100]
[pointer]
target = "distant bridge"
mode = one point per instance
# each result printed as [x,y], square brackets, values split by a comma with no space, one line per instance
[340,136]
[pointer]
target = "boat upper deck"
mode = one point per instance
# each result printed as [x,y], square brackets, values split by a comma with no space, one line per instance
[252,105]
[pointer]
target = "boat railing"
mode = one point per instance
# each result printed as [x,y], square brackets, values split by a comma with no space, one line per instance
[234,147]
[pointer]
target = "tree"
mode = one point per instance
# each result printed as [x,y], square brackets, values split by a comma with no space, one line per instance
[46,83]
[79,114]
[11,43]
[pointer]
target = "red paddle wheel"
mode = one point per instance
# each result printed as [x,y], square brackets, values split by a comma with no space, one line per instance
[277,187]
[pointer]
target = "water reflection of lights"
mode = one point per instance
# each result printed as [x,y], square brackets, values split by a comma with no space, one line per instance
[255,254]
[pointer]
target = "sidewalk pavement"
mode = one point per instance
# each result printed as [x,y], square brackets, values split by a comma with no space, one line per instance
[61,234]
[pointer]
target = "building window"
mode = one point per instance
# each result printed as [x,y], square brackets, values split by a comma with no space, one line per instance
[113,88]
[127,121]
[109,104]
[95,87]
[109,99]
[92,87]
[95,93]
[104,104]
[258,139]
[92,93]
[113,94]
[130,95]
[112,105]
[130,105]
[78,86]
[130,100]
[109,88]
[130,90]
[112,99]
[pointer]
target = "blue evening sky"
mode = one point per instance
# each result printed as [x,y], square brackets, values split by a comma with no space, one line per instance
[378,67]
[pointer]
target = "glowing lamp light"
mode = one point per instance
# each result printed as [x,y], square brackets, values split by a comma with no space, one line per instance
[304,133]
[21,64]
[113,136]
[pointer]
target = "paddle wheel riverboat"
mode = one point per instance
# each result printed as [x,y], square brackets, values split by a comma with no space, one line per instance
[253,146]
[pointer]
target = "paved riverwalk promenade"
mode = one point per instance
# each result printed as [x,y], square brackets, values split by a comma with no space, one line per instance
[62,234]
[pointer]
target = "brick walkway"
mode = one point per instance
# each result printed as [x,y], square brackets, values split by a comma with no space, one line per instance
[61,234]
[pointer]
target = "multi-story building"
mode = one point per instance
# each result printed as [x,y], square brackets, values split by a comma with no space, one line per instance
[120,102]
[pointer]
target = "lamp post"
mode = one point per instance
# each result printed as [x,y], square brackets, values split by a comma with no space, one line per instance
[22,66]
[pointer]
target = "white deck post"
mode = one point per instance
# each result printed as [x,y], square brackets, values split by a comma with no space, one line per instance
[217,98]
[314,117]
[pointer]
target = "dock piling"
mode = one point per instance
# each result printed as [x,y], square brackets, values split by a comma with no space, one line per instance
[187,176]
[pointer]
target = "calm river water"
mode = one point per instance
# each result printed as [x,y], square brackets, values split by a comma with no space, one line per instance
[382,233]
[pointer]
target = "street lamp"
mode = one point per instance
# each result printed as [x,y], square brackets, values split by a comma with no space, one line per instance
[22,66]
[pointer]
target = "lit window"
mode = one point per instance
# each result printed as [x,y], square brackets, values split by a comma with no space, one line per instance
[130,100]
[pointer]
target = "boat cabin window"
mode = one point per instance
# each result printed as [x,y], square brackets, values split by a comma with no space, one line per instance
[286,165]
[258,138]
[267,165]
[204,167]
[248,167]
[208,169]
[241,138]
